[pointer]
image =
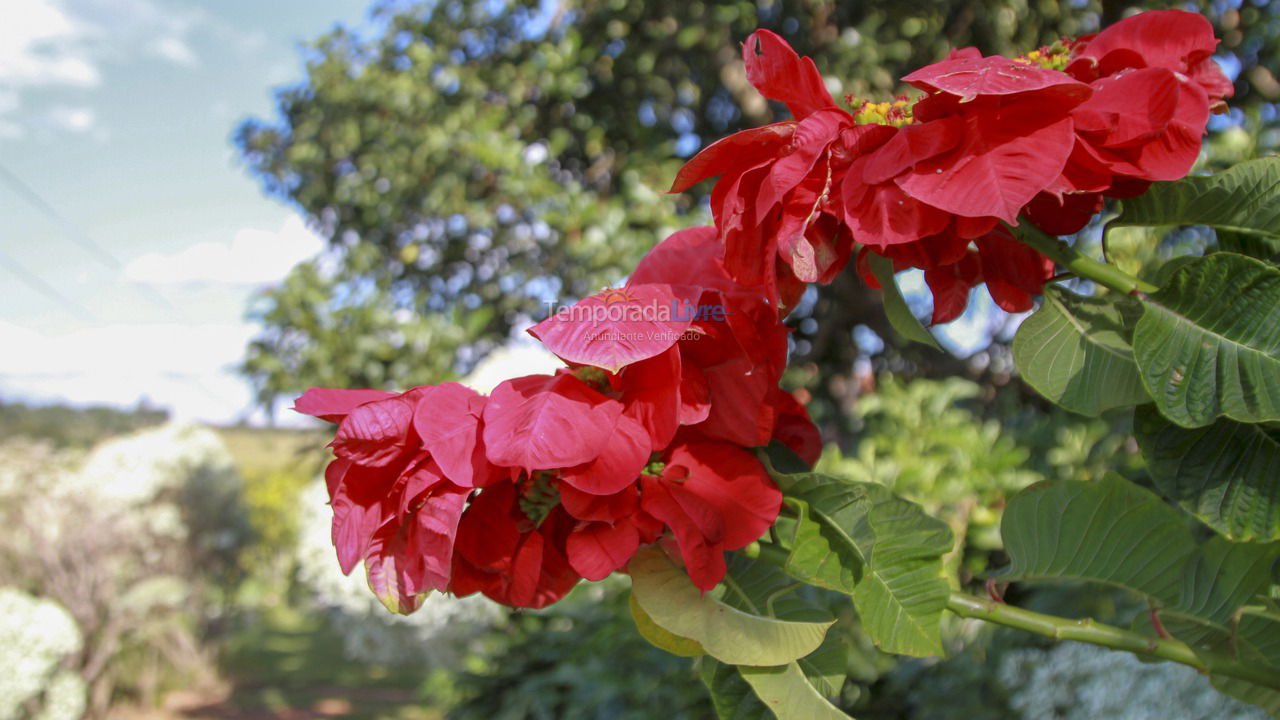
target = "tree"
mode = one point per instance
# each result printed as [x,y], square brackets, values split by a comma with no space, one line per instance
[471,162]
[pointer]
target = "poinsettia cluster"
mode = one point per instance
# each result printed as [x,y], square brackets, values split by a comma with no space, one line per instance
[644,437]
[933,182]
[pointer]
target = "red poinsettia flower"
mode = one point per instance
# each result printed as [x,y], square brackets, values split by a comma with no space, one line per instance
[617,327]
[715,497]
[989,134]
[1013,272]
[734,358]
[542,422]
[776,181]
[511,546]
[1155,83]
[394,506]
[610,530]
[1172,39]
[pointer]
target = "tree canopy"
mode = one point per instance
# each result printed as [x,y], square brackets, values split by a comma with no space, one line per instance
[470,162]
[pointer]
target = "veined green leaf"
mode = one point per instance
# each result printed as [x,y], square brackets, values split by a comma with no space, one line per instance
[1075,351]
[1110,531]
[788,693]
[731,696]
[817,554]
[760,587]
[1254,639]
[1208,342]
[900,593]
[1227,474]
[1225,576]
[660,637]
[667,595]
[895,306]
[1243,199]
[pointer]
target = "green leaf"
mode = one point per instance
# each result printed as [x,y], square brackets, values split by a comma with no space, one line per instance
[1208,342]
[1265,698]
[731,696]
[1243,199]
[1256,246]
[667,595]
[762,588]
[900,593]
[660,637]
[788,693]
[895,307]
[817,554]
[1255,639]
[1225,576]
[1225,473]
[1075,351]
[1111,532]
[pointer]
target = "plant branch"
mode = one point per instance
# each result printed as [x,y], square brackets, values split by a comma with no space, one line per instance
[1095,633]
[1079,264]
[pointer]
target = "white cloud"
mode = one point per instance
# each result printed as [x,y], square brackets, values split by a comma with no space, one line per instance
[66,43]
[251,257]
[184,367]
[175,50]
[42,44]
[73,119]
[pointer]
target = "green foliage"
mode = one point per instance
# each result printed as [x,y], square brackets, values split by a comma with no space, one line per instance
[788,693]
[1224,473]
[659,636]
[666,594]
[1243,200]
[921,440]
[281,657]
[894,549]
[1208,343]
[1116,533]
[731,696]
[895,306]
[1111,531]
[579,659]
[66,426]
[1075,351]
[468,160]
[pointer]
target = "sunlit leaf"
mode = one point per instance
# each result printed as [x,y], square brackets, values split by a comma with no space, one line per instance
[1208,342]
[1226,473]
[900,593]
[1075,351]
[895,307]
[667,595]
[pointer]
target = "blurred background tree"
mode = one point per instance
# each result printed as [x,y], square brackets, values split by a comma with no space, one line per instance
[471,161]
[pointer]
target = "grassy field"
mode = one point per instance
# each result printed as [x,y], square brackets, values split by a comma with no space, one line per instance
[263,450]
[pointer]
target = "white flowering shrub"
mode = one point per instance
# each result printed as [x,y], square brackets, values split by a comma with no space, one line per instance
[125,537]
[438,634]
[1072,681]
[37,639]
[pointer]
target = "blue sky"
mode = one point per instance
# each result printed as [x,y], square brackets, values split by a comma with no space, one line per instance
[131,238]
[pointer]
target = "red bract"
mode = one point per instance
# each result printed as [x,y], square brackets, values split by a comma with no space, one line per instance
[394,507]
[1154,82]
[511,557]
[1172,39]
[991,140]
[777,181]
[615,328]
[542,422]
[715,497]
[1013,272]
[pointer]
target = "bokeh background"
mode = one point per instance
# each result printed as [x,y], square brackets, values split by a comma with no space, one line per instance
[206,208]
